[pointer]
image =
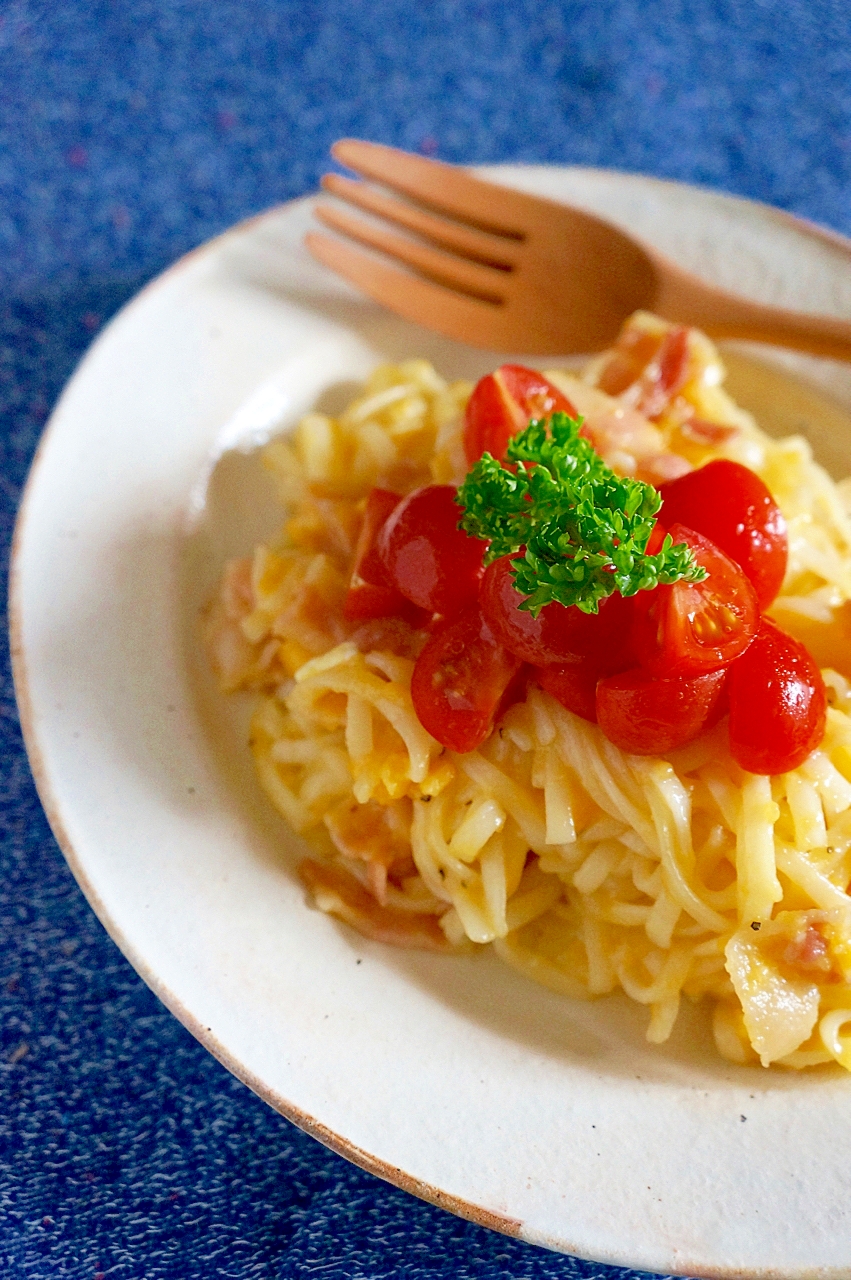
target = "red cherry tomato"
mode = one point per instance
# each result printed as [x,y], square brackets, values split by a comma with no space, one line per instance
[371,594]
[545,639]
[645,715]
[778,704]
[459,681]
[559,634]
[502,404]
[730,504]
[602,642]
[574,685]
[427,557]
[692,627]
[657,537]
[515,691]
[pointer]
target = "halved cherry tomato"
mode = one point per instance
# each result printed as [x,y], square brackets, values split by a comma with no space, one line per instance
[574,685]
[778,704]
[371,594]
[515,691]
[559,634]
[427,557]
[646,715]
[692,627]
[459,681]
[656,539]
[537,640]
[730,504]
[503,403]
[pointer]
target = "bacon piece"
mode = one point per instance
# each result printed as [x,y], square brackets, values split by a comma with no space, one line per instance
[711,434]
[632,446]
[796,942]
[378,835]
[631,354]
[780,1009]
[647,367]
[624,438]
[337,892]
[390,635]
[237,662]
[663,377]
[656,468]
[808,952]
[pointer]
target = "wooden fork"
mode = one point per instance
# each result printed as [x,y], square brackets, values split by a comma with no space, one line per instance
[507,271]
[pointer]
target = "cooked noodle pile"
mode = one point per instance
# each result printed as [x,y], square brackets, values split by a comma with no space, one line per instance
[588,869]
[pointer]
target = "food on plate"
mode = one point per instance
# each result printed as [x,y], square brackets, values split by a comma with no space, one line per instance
[560,664]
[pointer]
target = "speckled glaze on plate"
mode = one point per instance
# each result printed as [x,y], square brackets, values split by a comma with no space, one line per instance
[452,1077]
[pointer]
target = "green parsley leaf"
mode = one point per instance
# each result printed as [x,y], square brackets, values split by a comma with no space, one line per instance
[584,529]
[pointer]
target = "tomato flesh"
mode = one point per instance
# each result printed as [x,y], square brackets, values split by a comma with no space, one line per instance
[427,557]
[460,679]
[515,691]
[729,504]
[371,594]
[559,634]
[646,715]
[778,704]
[502,403]
[656,539]
[574,685]
[691,627]
[602,643]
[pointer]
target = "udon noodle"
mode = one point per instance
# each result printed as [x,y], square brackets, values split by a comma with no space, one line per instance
[587,869]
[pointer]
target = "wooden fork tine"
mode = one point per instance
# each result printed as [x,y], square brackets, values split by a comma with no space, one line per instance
[445,188]
[494,251]
[415,299]
[455,273]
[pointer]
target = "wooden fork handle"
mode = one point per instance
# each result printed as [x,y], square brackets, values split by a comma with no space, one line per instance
[685,299]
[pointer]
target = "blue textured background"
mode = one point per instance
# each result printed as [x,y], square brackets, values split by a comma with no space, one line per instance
[130,132]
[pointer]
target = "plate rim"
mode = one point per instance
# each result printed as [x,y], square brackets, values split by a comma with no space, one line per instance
[309,1124]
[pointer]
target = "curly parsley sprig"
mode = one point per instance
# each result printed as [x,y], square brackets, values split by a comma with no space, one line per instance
[584,529]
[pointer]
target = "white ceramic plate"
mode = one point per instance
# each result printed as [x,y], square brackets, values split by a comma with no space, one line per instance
[454,1078]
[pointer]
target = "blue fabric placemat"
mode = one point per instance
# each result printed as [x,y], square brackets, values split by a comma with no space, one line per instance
[130,133]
